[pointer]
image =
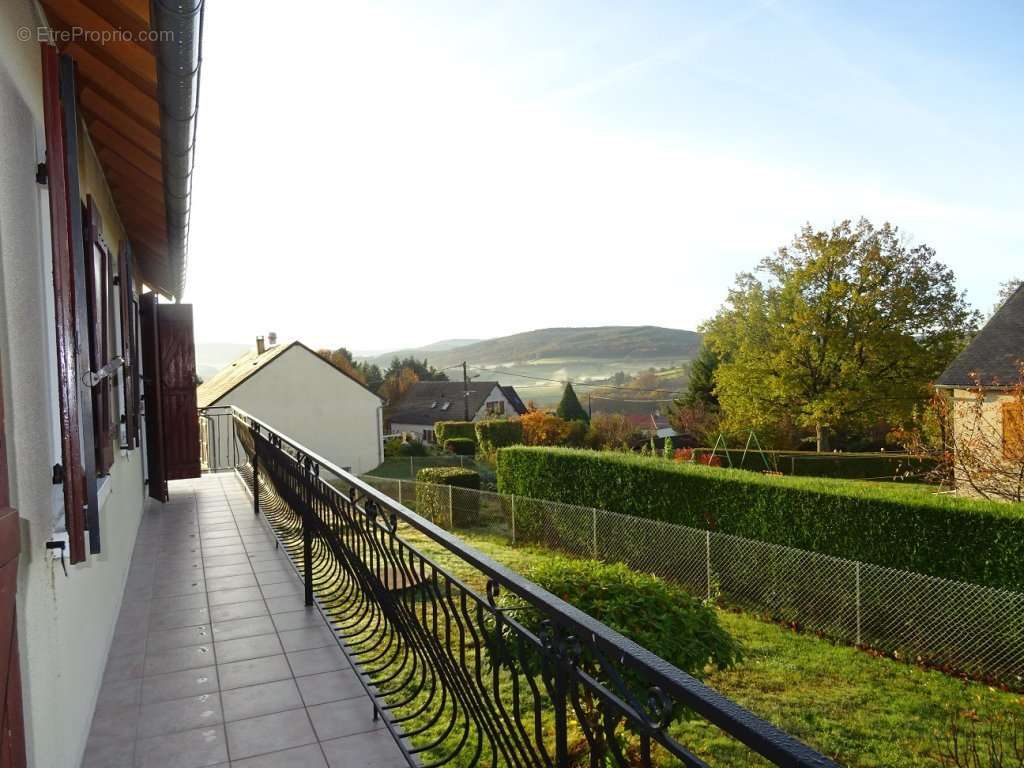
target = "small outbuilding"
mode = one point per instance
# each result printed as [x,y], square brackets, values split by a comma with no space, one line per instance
[305,397]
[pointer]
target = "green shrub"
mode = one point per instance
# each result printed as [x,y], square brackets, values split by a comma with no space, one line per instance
[433,495]
[412,448]
[966,540]
[657,615]
[498,433]
[460,446]
[449,430]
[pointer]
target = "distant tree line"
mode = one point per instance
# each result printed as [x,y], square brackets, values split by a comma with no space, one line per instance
[391,383]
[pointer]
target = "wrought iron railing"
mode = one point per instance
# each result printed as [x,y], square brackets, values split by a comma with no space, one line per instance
[468,679]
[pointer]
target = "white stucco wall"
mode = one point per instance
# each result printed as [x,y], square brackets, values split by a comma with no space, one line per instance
[496,396]
[64,624]
[307,399]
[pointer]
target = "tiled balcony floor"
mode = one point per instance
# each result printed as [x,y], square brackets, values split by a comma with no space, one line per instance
[215,659]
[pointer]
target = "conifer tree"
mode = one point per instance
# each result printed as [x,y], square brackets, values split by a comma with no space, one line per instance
[569,408]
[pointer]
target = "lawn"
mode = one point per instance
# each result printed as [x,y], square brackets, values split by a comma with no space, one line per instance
[857,708]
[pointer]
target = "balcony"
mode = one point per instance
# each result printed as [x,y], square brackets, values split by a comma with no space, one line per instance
[305,630]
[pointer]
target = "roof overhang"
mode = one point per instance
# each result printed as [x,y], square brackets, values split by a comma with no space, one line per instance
[138,86]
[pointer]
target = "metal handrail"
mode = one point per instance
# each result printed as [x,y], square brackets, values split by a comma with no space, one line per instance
[299,479]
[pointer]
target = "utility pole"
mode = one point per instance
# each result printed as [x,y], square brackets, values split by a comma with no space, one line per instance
[465,390]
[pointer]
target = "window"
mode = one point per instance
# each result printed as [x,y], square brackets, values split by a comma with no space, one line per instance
[496,408]
[1013,431]
[99,285]
[428,436]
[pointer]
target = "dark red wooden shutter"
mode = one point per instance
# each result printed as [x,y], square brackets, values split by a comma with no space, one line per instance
[156,468]
[62,234]
[126,289]
[12,725]
[178,391]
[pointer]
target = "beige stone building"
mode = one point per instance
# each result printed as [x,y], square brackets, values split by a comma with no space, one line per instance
[984,385]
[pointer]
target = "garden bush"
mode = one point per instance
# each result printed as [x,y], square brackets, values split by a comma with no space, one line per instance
[976,541]
[433,495]
[449,430]
[498,433]
[412,448]
[661,617]
[460,446]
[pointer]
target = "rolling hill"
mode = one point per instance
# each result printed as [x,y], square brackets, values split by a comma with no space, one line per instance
[629,344]
[579,354]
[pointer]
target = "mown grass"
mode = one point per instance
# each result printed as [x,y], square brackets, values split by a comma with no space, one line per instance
[857,708]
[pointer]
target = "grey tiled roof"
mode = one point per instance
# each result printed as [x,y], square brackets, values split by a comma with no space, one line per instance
[995,354]
[425,402]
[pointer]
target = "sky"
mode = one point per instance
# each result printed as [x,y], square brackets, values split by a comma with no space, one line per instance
[384,175]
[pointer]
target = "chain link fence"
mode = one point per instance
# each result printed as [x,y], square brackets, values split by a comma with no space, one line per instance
[959,627]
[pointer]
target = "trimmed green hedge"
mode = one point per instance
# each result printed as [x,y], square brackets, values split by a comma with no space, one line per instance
[460,446]
[852,466]
[498,433]
[433,496]
[975,541]
[450,430]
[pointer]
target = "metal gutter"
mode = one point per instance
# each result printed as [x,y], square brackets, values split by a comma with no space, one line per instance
[179,24]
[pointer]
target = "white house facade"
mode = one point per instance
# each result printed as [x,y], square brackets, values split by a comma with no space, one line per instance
[303,395]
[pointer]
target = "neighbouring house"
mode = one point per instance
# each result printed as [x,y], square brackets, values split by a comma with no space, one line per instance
[428,402]
[983,384]
[340,418]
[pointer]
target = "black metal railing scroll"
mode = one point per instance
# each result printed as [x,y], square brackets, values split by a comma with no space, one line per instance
[511,677]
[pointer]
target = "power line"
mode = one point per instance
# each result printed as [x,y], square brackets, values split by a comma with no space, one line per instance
[582,383]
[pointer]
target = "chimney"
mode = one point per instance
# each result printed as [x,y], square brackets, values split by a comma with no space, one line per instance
[260,348]
[271,339]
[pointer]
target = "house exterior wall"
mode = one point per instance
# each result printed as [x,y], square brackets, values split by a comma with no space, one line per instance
[307,399]
[64,623]
[496,396]
[989,427]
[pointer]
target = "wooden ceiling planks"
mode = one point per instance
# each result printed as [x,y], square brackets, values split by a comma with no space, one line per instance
[117,95]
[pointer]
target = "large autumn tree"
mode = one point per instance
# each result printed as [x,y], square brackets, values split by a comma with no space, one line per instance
[843,328]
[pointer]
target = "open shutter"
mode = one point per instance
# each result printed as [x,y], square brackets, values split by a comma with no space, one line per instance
[98,281]
[178,391]
[126,288]
[156,469]
[63,230]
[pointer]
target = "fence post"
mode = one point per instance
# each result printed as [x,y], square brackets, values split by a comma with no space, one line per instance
[857,581]
[512,496]
[593,531]
[451,510]
[707,560]
[412,469]
[399,491]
